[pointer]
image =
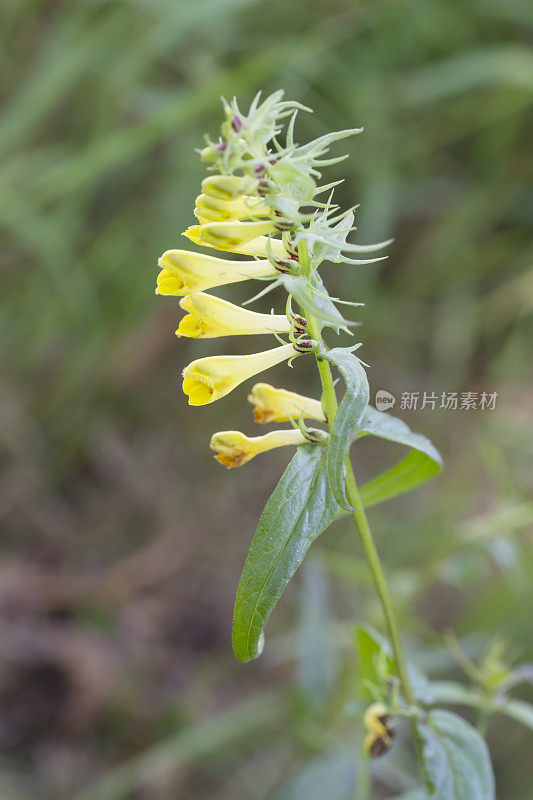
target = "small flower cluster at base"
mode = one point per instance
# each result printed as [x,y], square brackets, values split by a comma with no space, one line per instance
[380,735]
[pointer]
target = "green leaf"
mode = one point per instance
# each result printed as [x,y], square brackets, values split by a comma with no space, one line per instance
[454,694]
[348,418]
[300,508]
[422,463]
[369,650]
[321,250]
[457,694]
[518,710]
[372,648]
[455,758]
[319,303]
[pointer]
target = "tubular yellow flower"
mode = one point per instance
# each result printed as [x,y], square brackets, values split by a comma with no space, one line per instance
[228,187]
[210,316]
[208,379]
[233,449]
[280,405]
[256,247]
[233,235]
[184,272]
[211,209]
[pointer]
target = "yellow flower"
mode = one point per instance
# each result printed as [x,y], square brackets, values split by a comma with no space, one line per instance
[233,235]
[255,247]
[184,272]
[208,379]
[210,316]
[280,405]
[379,737]
[211,209]
[228,187]
[233,449]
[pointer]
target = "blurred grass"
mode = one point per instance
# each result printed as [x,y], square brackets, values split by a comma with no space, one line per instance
[116,576]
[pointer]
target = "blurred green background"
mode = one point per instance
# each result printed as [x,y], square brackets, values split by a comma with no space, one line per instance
[122,540]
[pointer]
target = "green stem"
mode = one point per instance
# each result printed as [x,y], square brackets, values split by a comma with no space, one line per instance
[329,401]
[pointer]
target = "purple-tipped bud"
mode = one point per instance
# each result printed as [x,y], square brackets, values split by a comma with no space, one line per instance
[285,225]
[316,436]
[292,251]
[236,123]
[287,265]
[263,188]
[306,346]
[259,169]
[299,324]
[221,146]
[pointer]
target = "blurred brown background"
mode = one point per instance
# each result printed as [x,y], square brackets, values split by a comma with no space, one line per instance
[122,540]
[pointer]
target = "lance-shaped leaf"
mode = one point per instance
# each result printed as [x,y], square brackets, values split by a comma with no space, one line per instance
[347,421]
[300,508]
[456,758]
[423,461]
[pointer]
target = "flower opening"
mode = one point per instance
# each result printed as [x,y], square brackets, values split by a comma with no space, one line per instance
[208,379]
[184,272]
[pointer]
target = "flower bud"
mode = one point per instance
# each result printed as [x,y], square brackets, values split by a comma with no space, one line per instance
[306,345]
[299,324]
[212,209]
[255,247]
[288,266]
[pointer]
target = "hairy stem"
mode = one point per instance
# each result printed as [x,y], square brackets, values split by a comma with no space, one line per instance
[329,401]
